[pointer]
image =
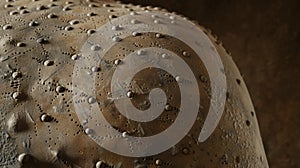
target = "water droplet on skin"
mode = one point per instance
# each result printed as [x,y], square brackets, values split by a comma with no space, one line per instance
[130,9]
[48,63]
[13,13]
[140,52]
[68,28]
[158,162]
[20,44]
[16,95]
[172,17]
[24,11]
[168,107]
[154,16]
[99,164]
[52,16]
[91,100]
[158,35]
[42,7]
[135,33]
[88,131]
[16,75]
[106,5]
[184,53]
[23,157]
[6,27]
[124,134]
[133,13]
[68,2]
[91,14]
[164,56]
[33,23]
[95,47]
[92,5]
[75,57]
[129,94]
[8,5]
[74,22]
[21,7]
[91,31]
[112,16]
[42,40]
[95,69]
[116,39]
[117,61]
[46,118]
[66,8]
[134,21]
[60,89]
[156,21]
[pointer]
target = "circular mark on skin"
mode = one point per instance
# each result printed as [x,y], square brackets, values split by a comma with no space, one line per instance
[83,81]
[134,63]
[146,80]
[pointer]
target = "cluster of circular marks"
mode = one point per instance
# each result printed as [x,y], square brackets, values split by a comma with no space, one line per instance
[37,52]
[119,74]
[40,42]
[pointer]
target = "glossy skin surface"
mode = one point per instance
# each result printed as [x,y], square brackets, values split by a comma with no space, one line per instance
[40,42]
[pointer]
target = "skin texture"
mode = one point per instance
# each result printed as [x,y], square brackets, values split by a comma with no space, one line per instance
[39,126]
[263,38]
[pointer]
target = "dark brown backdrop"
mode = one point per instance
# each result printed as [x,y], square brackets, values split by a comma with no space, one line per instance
[264,38]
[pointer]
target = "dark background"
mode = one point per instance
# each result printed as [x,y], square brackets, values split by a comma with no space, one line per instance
[264,39]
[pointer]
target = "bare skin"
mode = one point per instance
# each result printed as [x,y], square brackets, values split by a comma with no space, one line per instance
[40,42]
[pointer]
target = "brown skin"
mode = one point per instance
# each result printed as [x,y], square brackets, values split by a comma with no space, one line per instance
[59,141]
[263,37]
